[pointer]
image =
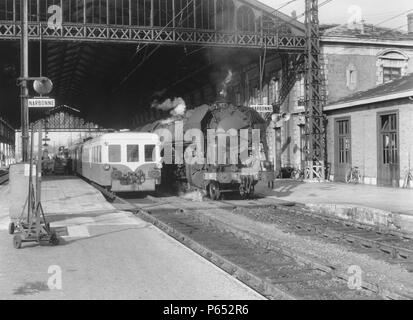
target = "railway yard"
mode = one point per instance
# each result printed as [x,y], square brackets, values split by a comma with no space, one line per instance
[268,247]
[283,250]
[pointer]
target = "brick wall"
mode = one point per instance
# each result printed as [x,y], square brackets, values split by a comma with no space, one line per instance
[337,74]
[366,61]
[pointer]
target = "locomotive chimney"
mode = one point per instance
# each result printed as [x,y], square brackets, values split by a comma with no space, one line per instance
[410,23]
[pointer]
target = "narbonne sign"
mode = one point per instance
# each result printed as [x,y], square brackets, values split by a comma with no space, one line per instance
[41,103]
[263,108]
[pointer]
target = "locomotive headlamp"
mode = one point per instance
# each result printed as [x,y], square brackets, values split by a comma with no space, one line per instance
[106,167]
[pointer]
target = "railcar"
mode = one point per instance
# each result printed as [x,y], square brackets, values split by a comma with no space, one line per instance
[120,161]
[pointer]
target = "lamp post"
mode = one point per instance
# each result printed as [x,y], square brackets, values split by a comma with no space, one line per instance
[24,74]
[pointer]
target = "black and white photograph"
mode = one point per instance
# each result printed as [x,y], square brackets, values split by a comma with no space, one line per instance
[206,156]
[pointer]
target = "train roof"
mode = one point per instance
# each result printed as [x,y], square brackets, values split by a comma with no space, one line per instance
[126,136]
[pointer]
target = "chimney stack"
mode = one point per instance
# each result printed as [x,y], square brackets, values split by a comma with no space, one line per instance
[410,23]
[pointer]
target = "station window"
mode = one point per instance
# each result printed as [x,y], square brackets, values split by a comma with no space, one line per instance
[114,153]
[390,74]
[133,153]
[149,153]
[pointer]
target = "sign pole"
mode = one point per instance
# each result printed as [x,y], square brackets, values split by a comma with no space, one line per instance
[24,93]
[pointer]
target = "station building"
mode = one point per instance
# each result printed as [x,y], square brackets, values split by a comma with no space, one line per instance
[7,147]
[369,108]
[372,130]
[355,58]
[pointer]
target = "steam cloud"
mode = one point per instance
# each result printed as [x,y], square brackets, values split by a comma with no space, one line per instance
[176,106]
[227,80]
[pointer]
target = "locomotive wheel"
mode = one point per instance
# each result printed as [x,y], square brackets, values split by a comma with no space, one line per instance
[17,241]
[214,191]
[11,227]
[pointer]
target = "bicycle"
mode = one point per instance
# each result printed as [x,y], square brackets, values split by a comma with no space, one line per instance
[297,174]
[353,175]
[408,179]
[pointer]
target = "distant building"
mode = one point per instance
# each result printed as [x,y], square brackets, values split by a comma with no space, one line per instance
[6,144]
[63,128]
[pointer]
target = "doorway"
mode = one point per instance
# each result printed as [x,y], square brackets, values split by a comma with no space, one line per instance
[342,142]
[388,171]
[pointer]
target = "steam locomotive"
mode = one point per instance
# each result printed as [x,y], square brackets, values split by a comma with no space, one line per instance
[228,167]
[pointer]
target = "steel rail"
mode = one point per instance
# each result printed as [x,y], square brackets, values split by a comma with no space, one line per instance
[183,223]
[4,177]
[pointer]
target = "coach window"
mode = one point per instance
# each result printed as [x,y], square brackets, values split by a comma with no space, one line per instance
[99,154]
[133,152]
[149,153]
[114,153]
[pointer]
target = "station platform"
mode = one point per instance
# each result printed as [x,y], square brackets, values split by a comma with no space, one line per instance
[389,208]
[105,253]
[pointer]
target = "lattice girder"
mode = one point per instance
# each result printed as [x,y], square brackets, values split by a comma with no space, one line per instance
[314,102]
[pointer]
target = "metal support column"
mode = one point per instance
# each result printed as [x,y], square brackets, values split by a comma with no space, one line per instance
[24,72]
[314,126]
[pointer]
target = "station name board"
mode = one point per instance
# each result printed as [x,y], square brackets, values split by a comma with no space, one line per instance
[41,103]
[263,108]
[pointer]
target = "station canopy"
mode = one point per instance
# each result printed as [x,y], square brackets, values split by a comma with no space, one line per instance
[112,58]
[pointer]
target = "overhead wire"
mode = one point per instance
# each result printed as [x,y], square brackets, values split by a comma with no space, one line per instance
[394,17]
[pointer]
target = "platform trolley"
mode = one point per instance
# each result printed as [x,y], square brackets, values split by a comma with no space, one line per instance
[27,220]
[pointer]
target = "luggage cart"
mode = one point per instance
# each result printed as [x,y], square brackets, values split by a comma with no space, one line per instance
[31,225]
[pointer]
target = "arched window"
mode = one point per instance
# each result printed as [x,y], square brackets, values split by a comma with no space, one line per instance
[225,15]
[392,64]
[245,19]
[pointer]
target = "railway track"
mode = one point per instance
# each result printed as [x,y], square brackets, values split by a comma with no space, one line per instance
[262,264]
[4,176]
[391,246]
[258,262]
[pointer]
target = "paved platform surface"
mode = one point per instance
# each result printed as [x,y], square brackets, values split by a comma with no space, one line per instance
[389,207]
[105,254]
[389,199]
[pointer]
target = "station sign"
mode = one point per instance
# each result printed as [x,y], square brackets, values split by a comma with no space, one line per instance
[41,103]
[260,108]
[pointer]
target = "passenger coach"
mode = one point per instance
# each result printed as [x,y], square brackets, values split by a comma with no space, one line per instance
[120,162]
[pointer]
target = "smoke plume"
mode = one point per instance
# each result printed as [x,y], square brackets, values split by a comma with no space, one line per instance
[176,106]
[225,83]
